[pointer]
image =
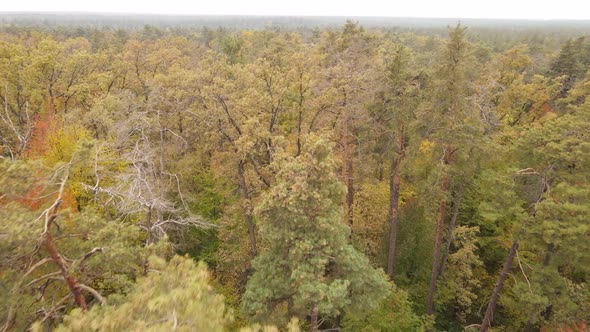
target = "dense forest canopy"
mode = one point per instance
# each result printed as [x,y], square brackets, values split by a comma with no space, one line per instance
[221,174]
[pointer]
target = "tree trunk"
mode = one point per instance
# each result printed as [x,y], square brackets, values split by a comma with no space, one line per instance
[148,224]
[438,240]
[348,169]
[350,191]
[159,180]
[394,187]
[314,317]
[248,208]
[251,233]
[290,305]
[454,215]
[70,280]
[299,122]
[300,114]
[546,260]
[485,324]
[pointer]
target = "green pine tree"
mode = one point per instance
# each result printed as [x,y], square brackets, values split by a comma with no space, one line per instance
[173,296]
[308,266]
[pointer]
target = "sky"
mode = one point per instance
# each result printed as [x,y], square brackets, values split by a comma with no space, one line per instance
[506,9]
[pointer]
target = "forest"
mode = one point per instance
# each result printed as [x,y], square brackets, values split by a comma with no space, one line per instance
[334,178]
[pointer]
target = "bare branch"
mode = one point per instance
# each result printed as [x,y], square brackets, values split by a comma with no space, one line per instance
[53,275]
[39,263]
[89,254]
[524,275]
[59,305]
[94,293]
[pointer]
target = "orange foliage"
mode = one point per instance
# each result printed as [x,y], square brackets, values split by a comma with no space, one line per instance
[546,108]
[43,125]
[31,200]
[69,200]
[575,327]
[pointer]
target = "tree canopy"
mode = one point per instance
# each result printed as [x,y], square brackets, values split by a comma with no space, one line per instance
[349,178]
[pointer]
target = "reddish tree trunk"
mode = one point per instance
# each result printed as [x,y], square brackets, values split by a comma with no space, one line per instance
[489,316]
[69,279]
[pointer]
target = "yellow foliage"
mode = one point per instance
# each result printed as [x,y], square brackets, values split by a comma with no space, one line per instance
[370,215]
[426,146]
[548,117]
[62,142]
[406,193]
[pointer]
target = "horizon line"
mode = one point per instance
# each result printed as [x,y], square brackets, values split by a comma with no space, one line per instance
[109,13]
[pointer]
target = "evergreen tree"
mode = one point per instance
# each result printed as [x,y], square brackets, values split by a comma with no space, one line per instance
[308,267]
[572,63]
[173,296]
[552,182]
[395,314]
[455,128]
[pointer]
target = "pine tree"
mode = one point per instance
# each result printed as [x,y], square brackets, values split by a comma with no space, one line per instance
[399,98]
[553,183]
[173,296]
[556,161]
[571,63]
[308,266]
[455,128]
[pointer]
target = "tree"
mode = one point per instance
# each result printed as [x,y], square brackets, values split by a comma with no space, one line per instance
[454,128]
[144,183]
[487,319]
[394,314]
[549,183]
[459,285]
[399,100]
[558,218]
[347,86]
[54,258]
[173,295]
[571,63]
[21,96]
[308,267]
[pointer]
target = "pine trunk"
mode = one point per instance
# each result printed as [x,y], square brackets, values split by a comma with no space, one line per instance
[348,169]
[70,280]
[438,240]
[314,317]
[394,188]
[546,260]
[300,114]
[485,324]
[454,215]
[350,192]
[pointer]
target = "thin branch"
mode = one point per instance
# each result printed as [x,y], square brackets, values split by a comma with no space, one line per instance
[52,275]
[39,263]
[55,308]
[524,275]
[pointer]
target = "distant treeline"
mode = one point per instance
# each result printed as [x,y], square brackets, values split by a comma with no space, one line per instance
[496,34]
[116,20]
